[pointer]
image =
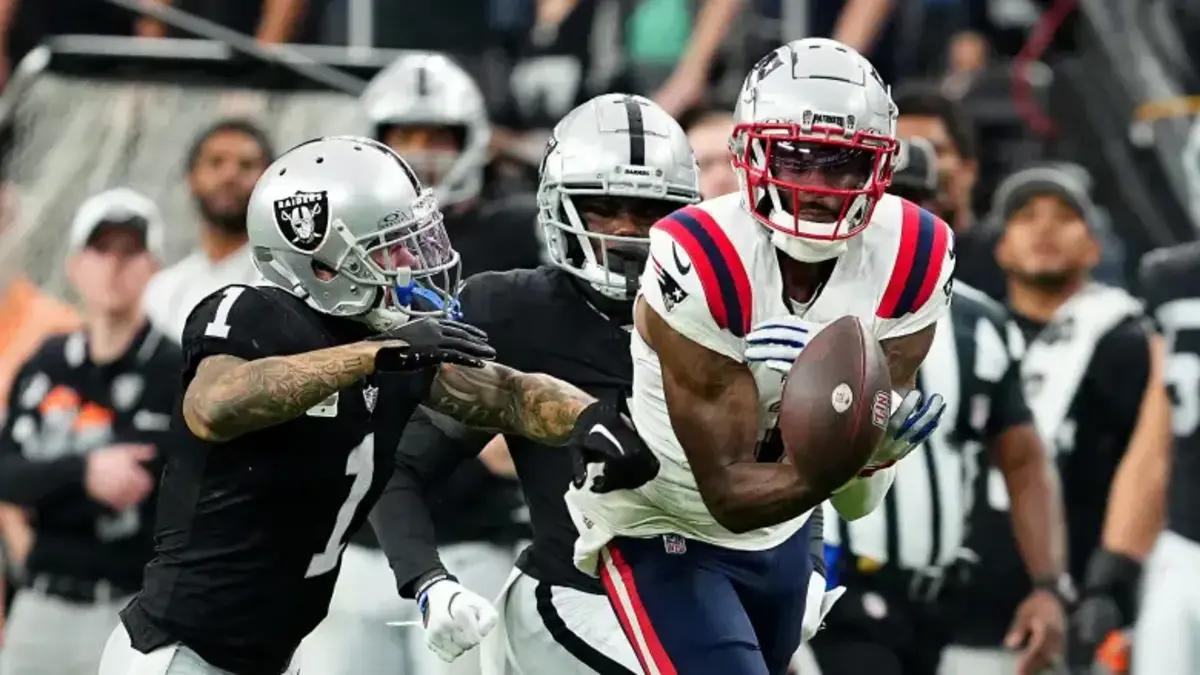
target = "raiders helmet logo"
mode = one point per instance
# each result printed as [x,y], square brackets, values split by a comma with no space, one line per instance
[303,219]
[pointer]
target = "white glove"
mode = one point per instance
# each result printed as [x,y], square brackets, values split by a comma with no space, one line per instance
[455,619]
[912,421]
[777,342]
[817,604]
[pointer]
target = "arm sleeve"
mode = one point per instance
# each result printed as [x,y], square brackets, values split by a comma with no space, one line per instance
[24,481]
[402,518]
[671,286]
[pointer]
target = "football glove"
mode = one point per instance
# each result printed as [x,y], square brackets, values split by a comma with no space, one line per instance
[817,604]
[1107,604]
[455,619]
[430,341]
[777,342]
[603,435]
[910,424]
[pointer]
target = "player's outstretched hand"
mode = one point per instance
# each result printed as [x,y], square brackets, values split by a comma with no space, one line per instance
[455,619]
[427,342]
[910,424]
[777,342]
[604,437]
[115,477]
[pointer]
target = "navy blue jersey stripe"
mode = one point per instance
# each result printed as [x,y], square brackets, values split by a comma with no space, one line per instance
[920,265]
[720,266]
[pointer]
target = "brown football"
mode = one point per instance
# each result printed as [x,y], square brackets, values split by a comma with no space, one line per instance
[835,405]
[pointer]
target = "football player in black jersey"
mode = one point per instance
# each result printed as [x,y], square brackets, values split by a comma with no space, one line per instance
[1167,638]
[613,167]
[295,397]
[431,112]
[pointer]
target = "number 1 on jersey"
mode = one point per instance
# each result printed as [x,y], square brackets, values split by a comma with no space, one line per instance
[361,464]
[219,326]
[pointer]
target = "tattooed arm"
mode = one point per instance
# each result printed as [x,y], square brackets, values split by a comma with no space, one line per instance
[498,398]
[230,396]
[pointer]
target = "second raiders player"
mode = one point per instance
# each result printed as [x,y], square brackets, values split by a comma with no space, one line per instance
[613,167]
[296,396]
[1167,638]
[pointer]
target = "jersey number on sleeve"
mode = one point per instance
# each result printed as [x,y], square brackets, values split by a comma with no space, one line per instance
[219,326]
[360,464]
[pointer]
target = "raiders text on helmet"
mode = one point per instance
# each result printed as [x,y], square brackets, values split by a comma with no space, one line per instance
[813,104]
[427,88]
[614,145]
[344,223]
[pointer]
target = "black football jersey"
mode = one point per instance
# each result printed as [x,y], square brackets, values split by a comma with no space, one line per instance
[250,531]
[539,320]
[1170,280]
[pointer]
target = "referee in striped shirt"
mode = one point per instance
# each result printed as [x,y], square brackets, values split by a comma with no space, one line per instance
[901,562]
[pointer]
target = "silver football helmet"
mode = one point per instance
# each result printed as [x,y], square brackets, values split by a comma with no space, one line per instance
[813,106]
[427,88]
[614,145]
[344,223]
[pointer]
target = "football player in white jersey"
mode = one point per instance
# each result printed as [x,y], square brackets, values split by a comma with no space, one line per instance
[707,565]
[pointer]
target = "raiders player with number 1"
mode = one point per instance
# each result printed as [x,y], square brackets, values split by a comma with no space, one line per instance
[285,454]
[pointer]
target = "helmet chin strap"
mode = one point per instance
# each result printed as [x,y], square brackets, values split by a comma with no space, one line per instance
[807,250]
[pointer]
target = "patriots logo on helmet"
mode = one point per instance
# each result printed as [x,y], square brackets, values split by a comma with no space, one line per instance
[303,219]
[672,292]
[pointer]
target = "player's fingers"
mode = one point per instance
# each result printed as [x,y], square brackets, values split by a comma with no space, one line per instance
[460,359]
[481,350]
[1016,632]
[474,331]
[487,619]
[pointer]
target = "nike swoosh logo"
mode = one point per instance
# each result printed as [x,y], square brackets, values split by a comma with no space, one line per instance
[683,269]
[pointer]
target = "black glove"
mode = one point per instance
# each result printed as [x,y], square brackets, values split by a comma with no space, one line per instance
[430,342]
[1107,604]
[602,435]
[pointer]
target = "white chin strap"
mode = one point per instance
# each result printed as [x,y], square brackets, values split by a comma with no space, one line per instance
[807,250]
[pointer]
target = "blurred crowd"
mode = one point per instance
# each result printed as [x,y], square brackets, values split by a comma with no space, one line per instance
[1028,225]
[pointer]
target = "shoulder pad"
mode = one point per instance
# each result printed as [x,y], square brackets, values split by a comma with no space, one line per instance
[490,297]
[239,320]
[926,246]
[718,267]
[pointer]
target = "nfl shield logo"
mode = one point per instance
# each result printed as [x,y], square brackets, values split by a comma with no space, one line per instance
[674,544]
[370,396]
[303,219]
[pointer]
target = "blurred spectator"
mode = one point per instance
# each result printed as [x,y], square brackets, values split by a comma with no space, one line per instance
[708,134]
[929,114]
[269,21]
[1094,386]
[86,417]
[223,165]
[858,23]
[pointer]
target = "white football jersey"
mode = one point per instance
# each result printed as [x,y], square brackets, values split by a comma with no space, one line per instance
[713,273]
